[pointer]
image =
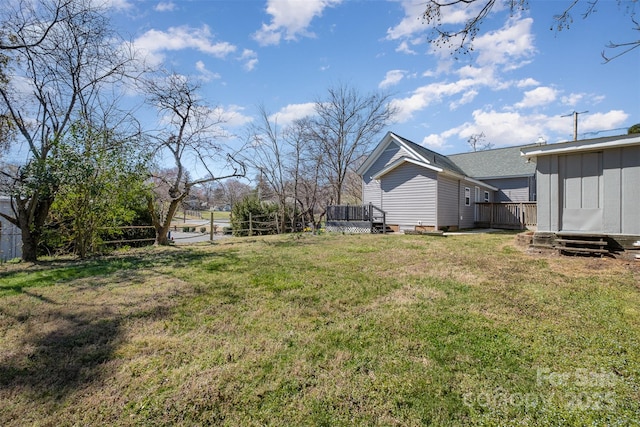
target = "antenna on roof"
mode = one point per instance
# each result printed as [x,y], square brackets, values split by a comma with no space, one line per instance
[575,122]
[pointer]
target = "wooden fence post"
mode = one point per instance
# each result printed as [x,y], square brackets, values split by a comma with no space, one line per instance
[212,227]
[250,225]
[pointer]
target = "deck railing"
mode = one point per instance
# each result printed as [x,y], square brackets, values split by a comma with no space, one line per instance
[513,215]
[357,213]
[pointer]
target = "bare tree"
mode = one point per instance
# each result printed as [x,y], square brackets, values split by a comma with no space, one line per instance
[460,38]
[65,67]
[234,190]
[189,136]
[29,24]
[477,143]
[343,129]
[268,154]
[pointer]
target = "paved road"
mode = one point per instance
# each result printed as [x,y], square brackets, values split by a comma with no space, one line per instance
[181,238]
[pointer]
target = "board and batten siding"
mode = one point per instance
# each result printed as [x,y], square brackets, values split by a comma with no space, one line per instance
[617,193]
[621,179]
[371,191]
[408,196]
[448,190]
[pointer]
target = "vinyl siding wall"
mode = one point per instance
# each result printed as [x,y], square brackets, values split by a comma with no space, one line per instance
[620,181]
[409,195]
[520,189]
[448,190]
[371,191]
[10,236]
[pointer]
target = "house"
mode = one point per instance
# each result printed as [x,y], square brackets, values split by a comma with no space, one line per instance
[588,191]
[502,168]
[10,237]
[420,189]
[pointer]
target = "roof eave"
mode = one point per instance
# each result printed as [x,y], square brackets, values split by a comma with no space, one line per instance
[579,146]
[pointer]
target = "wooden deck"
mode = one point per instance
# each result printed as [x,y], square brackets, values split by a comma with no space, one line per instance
[357,219]
[508,215]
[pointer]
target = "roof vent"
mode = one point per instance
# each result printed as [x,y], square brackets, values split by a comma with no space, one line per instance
[541,141]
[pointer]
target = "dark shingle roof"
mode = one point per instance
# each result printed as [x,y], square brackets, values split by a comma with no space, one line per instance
[497,163]
[434,158]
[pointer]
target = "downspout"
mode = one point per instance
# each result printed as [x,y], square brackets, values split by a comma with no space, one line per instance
[458,205]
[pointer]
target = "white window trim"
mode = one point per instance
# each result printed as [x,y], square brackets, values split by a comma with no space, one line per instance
[467,196]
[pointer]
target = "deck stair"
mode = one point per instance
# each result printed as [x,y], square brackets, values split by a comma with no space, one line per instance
[581,244]
[380,228]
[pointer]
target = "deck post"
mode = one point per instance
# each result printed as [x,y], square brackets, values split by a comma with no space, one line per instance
[384,223]
[522,218]
[492,209]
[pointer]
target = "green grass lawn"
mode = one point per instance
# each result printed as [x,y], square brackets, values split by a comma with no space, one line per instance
[322,330]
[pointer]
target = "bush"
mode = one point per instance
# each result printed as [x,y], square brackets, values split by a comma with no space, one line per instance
[262,216]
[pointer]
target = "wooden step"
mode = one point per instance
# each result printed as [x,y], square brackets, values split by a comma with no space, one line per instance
[582,250]
[583,242]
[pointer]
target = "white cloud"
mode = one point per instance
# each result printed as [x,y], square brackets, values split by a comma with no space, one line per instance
[509,46]
[504,129]
[527,82]
[466,98]
[290,19]
[233,115]
[165,6]
[293,112]
[154,43]
[602,121]
[403,47]
[250,59]
[508,128]
[435,142]
[539,96]
[206,75]
[392,77]
[117,4]
[573,99]
[424,96]
[411,23]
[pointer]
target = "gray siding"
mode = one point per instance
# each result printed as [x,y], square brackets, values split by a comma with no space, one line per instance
[448,190]
[10,237]
[371,191]
[582,192]
[520,189]
[546,196]
[621,178]
[466,212]
[408,196]
[630,201]
[616,195]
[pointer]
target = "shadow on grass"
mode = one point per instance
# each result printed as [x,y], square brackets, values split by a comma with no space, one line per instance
[65,344]
[63,359]
[48,273]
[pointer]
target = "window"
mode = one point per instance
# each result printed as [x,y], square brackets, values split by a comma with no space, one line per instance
[486,197]
[467,196]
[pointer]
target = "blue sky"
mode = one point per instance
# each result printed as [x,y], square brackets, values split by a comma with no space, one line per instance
[515,87]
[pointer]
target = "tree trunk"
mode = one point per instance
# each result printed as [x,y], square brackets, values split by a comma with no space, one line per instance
[31,225]
[162,226]
[29,245]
